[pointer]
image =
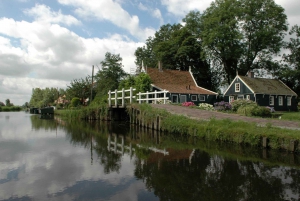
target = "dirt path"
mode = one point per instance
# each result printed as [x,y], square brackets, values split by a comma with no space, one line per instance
[203,115]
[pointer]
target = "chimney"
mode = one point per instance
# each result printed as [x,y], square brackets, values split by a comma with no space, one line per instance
[159,66]
[250,74]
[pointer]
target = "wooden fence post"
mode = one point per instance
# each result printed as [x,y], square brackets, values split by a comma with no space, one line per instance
[123,97]
[116,98]
[109,98]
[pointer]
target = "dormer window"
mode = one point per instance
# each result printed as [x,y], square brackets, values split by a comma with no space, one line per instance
[237,87]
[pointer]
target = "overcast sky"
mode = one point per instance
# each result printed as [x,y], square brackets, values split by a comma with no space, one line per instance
[49,43]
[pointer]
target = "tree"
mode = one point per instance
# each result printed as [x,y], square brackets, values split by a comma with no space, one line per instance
[242,35]
[110,75]
[7,102]
[290,74]
[178,47]
[80,88]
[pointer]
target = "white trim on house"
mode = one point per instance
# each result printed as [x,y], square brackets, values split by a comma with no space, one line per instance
[271,100]
[237,87]
[190,71]
[280,100]
[289,101]
[194,97]
[237,77]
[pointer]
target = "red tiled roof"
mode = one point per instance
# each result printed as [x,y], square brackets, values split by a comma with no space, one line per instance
[176,81]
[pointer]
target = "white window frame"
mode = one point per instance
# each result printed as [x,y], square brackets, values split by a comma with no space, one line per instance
[289,101]
[248,97]
[201,98]
[231,98]
[237,87]
[194,97]
[271,100]
[280,100]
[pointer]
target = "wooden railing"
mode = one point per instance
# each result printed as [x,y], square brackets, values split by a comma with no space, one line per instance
[142,97]
[122,97]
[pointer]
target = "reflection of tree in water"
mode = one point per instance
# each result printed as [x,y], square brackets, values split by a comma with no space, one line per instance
[93,135]
[215,178]
[45,124]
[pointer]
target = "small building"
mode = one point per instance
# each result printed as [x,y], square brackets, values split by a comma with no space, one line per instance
[181,86]
[263,91]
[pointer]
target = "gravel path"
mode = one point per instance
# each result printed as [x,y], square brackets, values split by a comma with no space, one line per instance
[205,115]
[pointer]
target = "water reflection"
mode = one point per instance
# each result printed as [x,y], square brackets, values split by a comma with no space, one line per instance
[56,160]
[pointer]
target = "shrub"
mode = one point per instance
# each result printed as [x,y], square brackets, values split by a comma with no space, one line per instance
[261,111]
[246,110]
[188,104]
[75,102]
[238,103]
[222,106]
[206,106]
[161,101]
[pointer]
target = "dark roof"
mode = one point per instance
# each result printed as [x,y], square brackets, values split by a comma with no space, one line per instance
[267,86]
[176,81]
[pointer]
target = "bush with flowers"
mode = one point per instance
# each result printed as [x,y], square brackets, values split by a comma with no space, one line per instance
[161,101]
[206,106]
[236,104]
[222,106]
[188,104]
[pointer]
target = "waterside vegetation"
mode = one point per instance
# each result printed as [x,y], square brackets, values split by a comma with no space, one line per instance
[224,130]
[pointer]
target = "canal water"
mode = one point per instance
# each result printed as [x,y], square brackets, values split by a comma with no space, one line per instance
[42,159]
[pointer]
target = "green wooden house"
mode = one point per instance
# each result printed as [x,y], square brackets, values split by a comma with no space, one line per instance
[263,91]
[181,86]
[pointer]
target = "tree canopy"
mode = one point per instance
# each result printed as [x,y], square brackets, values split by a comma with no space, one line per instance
[242,35]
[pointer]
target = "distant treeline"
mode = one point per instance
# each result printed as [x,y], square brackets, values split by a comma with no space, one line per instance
[10,108]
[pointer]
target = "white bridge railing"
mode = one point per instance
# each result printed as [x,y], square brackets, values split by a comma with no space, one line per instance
[123,92]
[142,97]
[146,97]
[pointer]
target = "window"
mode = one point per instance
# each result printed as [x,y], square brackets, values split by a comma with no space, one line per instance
[174,99]
[289,101]
[194,98]
[182,98]
[280,100]
[202,98]
[271,100]
[248,97]
[240,97]
[237,87]
[231,98]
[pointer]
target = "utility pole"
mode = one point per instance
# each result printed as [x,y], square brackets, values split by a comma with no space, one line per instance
[92,85]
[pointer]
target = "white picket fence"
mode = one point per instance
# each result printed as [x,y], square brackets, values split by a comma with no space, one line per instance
[142,97]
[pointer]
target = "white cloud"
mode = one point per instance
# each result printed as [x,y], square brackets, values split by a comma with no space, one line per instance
[180,8]
[43,13]
[49,55]
[111,11]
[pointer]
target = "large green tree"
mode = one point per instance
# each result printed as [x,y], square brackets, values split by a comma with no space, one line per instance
[79,88]
[178,47]
[242,35]
[290,74]
[110,75]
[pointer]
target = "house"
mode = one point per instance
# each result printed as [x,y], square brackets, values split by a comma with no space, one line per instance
[181,86]
[263,91]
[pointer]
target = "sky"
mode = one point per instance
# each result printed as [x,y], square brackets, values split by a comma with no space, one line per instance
[49,43]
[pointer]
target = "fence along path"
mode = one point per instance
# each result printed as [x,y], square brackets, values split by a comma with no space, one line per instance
[123,95]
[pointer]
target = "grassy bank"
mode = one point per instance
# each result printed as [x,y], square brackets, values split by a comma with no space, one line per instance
[10,108]
[225,130]
[81,113]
